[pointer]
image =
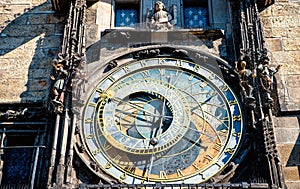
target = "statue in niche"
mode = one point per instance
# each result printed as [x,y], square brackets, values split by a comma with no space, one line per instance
[245,75]
[59,76]
[78,84]
[161,19]
[266,74]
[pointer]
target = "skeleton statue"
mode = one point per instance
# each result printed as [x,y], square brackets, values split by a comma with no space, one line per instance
[245,75]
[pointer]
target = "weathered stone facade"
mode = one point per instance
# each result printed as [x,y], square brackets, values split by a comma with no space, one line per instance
[281,26]
[281,23]
[31,34]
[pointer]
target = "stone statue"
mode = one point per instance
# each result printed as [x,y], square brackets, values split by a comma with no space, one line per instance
[59,77]
[160,18]
[266,79]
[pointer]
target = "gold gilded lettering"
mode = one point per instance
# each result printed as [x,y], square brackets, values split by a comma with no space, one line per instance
[107,146]
[178,63]
[123,176]
[224,88]
[233,102]
[96,151]
[208,157]
[126,69]
[108,165]
[88,120]
[217,163]
[90,136]
[203,84]
[146,73]
[162,174]
[179,173]
[143,63]
[196,68]
[111,78]
[196,166]
[162,71]
[237,118]
[236,134]
[223,132]
[230,151]
[130,168]
[217,146]
[211,77]
[92,104]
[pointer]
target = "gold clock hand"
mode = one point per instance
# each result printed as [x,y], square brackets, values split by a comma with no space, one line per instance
[150,115]
[154,140]
[133,105]
[151,164]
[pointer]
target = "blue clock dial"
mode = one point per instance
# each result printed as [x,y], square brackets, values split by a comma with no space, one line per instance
[162,120]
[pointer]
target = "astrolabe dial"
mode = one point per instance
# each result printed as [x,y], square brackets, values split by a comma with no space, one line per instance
[162,120]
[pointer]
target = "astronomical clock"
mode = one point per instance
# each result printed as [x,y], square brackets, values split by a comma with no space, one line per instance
[162,118]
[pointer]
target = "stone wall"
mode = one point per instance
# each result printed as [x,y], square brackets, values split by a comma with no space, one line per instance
[30,35]
[288,143]
[281,24]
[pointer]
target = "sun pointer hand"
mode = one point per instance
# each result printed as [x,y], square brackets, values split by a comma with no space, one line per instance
[154,140]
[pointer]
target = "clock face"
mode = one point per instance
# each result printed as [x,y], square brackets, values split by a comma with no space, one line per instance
[162,120]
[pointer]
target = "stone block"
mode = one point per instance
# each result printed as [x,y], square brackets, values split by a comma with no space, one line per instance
[293,21]
[92,35]
[274,44]
[30,97]
[91,15]
[293,32]
[39,73]
[284,1]
[291,173]
[19,9]
[266,13]
[291,44]
[266,22]
[278,21]
[289,154]
[284,135]
[287,58]
[284,9]
[52,41]
[287,122]
[105,11]
[41,6]
[275,32]
[11,42]
[292,184]
[59,29]
[37,84]
[288,105]
[45,19]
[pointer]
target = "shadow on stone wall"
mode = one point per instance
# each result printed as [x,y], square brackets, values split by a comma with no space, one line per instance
[28,44]
[294,159]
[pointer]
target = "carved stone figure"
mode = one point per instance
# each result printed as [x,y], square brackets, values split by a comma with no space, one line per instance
[160,18]
[78,83]
[266,79]
[59,77]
